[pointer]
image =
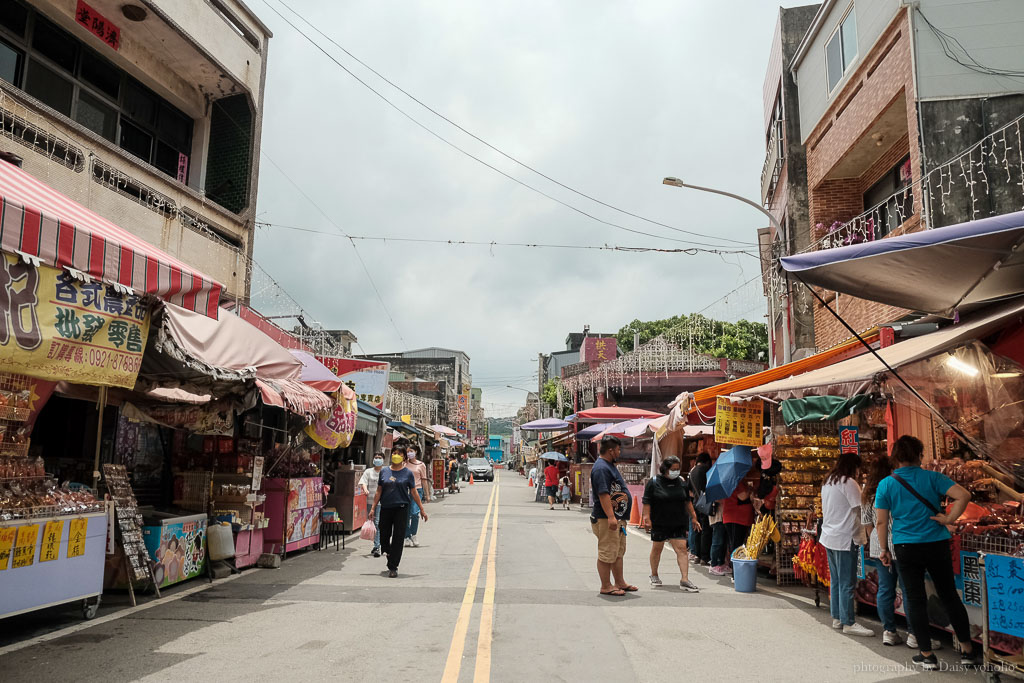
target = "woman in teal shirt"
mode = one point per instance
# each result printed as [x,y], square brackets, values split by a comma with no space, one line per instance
[912,497]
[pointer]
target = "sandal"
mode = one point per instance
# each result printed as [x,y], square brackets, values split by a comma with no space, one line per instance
[617,592]
[628,589]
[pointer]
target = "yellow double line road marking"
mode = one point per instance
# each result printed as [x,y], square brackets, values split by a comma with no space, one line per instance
[453,665]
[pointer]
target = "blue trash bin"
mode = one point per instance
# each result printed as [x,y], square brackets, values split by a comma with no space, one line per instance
[744,573]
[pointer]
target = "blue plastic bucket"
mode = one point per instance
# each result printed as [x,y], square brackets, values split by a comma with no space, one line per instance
[744,573]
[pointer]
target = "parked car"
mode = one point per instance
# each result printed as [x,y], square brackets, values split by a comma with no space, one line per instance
[481,468]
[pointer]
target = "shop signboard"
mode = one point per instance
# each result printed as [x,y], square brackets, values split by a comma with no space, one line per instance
[849,440]
[335,428]
[462,413]
[438,465]
[305,498]
[1004,578]
[54,327]
[368,378]
[599,349]
[740,423]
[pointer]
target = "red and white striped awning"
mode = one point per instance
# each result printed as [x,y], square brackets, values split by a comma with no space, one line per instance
[38,221]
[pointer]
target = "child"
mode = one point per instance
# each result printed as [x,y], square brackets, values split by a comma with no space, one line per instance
[566,490]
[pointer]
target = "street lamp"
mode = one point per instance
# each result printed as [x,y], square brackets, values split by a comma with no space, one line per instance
[786,354]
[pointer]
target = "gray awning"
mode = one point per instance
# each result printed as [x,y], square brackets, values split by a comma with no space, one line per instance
[936,271]
[859,375]
[367,425]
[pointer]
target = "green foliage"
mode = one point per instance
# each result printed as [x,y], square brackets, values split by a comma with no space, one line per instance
[742,340]
[550,395]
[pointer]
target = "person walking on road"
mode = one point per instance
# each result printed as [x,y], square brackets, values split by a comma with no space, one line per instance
[840,526]
[565,488]
[609,516]
[368,483]
[668,511]
[700,529]
[912,498]
[551,483]
[419,473]
[396,494]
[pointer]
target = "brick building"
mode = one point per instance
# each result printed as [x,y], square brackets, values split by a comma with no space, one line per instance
[888,115]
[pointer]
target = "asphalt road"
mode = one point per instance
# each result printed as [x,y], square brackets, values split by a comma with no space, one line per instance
[501,589]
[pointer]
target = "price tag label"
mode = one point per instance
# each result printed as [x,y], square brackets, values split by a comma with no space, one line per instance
[7,534]
[25,545]
[51,540]
[76,537]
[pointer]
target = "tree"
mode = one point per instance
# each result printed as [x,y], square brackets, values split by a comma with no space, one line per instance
[742,340]
[549,394]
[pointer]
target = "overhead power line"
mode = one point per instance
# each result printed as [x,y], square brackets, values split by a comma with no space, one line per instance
[493,243]
[465,152]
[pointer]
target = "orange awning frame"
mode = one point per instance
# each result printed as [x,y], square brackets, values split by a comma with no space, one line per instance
[705,401]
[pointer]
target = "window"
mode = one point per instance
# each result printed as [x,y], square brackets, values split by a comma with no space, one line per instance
[890,201]
[57,69]
[841,49]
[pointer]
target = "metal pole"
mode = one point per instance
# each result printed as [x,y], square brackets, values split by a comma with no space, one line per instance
[101,403]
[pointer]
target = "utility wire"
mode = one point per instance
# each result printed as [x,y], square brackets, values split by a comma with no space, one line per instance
[950,43]
[455,242]
[492,147]
[470,154]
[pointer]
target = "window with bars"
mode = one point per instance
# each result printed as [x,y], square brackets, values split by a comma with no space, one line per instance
[60,71]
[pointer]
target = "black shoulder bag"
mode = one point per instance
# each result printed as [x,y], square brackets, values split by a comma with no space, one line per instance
[924,501]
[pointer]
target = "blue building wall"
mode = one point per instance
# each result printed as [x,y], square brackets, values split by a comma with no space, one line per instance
[495,449]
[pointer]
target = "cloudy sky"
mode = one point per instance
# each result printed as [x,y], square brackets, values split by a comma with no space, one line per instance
[606,97]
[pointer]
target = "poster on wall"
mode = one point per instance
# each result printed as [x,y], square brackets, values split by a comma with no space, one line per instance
[740,423]
[462,413]
[305,498]
[368,378]
[178,549]
[58,328]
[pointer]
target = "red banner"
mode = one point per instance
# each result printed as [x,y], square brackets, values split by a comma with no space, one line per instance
[98,25]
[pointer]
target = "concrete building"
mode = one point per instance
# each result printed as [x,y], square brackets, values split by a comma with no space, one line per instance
[477,419]
[549,365]
[784,187]
[903,111]
[149,113]
[446,371]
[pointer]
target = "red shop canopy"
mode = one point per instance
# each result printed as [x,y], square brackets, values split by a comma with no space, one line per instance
[38,221]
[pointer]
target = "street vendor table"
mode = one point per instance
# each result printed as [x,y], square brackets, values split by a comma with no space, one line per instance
[48,576]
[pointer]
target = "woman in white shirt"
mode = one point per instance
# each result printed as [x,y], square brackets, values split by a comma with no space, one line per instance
[368,483]
[840,525]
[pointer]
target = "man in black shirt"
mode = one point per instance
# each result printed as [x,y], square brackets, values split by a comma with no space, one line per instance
[700,541]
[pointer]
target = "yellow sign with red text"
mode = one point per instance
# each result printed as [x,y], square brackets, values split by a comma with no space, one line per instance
[740,423]
[55,327]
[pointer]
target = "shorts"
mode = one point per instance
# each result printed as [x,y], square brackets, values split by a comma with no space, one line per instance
[552,490]
[611,543]
[660,534]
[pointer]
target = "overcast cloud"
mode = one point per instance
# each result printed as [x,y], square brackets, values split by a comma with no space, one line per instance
[607,97]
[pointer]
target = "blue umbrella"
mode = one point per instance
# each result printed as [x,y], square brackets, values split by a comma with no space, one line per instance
[552,455]
[726,473]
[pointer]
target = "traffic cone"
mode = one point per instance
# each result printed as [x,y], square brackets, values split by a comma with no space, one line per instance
[470,478]
[530,484]
[634,515]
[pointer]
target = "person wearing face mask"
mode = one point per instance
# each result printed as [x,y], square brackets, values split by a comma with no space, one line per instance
[396,494]
[368,483]
[419,472]
[667,514]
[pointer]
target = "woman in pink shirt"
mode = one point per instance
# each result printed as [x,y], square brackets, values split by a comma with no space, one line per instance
[419,472]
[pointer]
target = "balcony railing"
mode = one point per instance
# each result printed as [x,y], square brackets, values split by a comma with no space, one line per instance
[879,221]
[772,169]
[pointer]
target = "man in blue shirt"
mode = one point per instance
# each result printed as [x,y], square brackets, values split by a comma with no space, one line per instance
[608,519]
[912,498]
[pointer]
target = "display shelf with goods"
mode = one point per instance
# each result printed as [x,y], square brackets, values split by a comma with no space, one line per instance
[15,408]
[237,501]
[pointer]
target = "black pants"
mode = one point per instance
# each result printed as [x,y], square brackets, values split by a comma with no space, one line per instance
[737,536]
[913,560]
[393,522]
[702,548]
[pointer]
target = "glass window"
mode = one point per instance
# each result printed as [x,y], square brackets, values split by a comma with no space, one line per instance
[136,140]
[101,74]
[166,159]
[46,86]
[96,115]
[13,17]
[55,44]
[10,63]
[841,50]
[849,33]
[175,128]
[139,104]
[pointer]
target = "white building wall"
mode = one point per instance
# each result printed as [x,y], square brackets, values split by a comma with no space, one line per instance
[992,32]
[872,18]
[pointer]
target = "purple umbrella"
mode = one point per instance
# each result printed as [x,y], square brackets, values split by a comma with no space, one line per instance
[547,424]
